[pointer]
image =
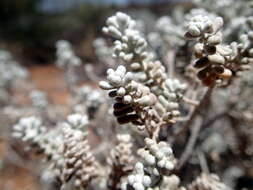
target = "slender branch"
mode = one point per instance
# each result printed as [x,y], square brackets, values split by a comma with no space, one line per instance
[155,132]
[190,101]
[212,120]
[183,119]
[195,112]
[190,144]
[169,60]
[195,130]
[203,162]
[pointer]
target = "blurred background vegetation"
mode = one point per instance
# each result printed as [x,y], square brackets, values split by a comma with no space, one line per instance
[31,27]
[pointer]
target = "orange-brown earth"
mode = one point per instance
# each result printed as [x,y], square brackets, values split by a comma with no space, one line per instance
[49,79]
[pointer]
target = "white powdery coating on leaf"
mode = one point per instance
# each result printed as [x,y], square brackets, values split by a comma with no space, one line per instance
[78,119]
[10,70]
[65,55]
[29,129]
[129,44]
[158,155]
[137,180]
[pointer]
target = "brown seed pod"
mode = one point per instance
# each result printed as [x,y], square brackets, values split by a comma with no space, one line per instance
[202,62]
[208,81]
[218,69]
[112,93]
[209,49]
[202,74]
[226,74]
[127,118]
[120,106]
[137,122]
[122,112]
[198,55]
[118,99]
[189,36]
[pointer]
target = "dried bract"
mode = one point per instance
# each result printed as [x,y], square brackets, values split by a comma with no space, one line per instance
[79,163]
[207,182]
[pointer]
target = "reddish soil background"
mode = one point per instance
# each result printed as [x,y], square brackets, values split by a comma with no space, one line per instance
[49,79]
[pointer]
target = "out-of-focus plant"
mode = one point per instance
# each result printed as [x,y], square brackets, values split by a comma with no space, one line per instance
[10,71]
[171,129]
[67,60]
